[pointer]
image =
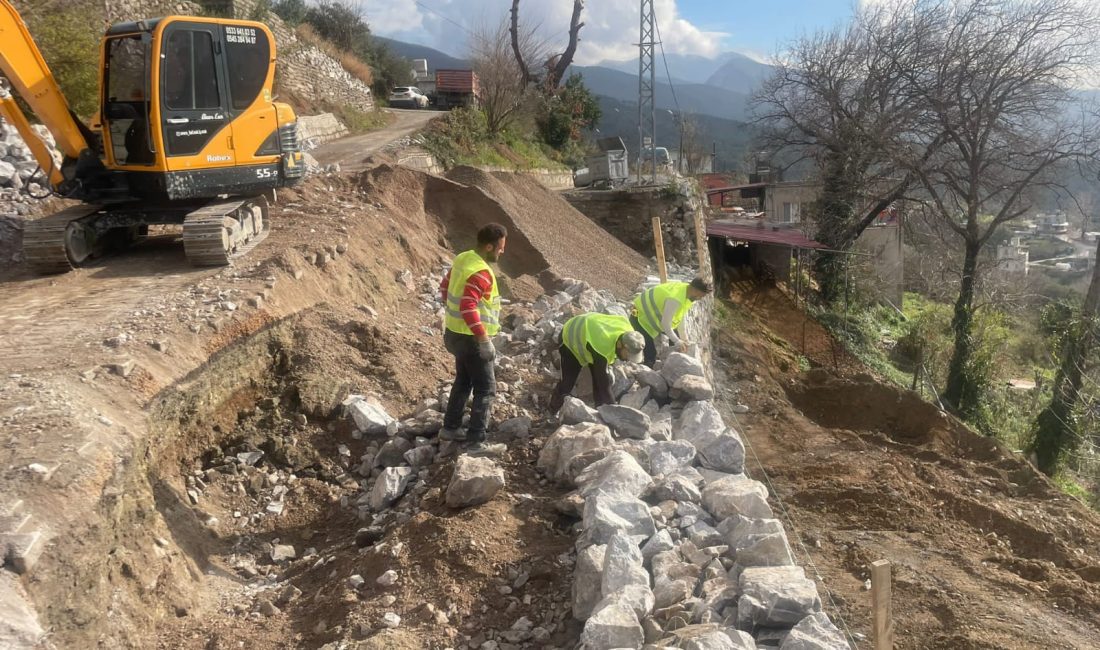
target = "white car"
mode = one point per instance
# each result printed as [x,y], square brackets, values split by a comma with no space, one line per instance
[408,96]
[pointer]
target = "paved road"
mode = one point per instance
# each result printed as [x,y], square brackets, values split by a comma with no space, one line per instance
[350,152]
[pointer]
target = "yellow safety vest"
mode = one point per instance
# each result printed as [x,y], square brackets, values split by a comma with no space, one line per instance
[464,266]
[601,331]
[650,305]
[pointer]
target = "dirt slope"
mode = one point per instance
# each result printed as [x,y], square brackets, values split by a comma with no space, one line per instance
[119,381]
[572,244]
[987,553]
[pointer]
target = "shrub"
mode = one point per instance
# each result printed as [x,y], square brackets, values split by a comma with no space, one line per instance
[71,50]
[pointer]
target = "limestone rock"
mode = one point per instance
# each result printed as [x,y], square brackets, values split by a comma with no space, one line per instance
[675,488]
[736,495]
[666,457]
[655,382]
[710,637]
[614,626]
[638,597]
[518,427]
[678,364]
[616,473]
[719,448]
[588,580]
[757,542]
[622,565]
[693,387]
[368,413]
[775,597]
[567,443]
[575,411]
[392,453]
[389,486]
[474,481]
[815,632]
[607,514]
[625,421]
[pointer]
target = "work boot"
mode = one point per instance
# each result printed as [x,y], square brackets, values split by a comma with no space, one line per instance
[478,449]
[455,435]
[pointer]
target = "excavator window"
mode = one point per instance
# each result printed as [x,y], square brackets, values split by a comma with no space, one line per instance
[248,57]
[126,110]
[190,79]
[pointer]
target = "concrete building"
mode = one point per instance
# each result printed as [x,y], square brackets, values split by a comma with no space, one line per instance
[1012,258]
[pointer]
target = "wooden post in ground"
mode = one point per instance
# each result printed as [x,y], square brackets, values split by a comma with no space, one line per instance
[659,242]
[881,607]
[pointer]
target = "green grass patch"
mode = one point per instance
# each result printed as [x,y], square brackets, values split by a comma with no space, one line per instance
[359,121]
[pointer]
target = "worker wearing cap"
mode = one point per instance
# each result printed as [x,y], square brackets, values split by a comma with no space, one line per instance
[596,341]
[660,310]
[469,291]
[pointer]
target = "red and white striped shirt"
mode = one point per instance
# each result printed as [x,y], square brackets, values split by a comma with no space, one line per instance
[477,285]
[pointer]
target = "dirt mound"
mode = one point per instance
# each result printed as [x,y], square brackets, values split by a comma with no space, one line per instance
[571,243]
[864,404]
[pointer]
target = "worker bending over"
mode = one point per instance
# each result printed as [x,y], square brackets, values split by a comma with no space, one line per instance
[661,309]
[595,340]
[469,291]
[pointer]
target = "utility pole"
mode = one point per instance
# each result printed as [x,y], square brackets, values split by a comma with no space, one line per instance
[647,82]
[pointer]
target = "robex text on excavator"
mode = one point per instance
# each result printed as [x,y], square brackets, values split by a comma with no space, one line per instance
[187,133]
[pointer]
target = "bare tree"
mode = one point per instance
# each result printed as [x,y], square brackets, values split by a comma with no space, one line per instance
[993,80]
[555,65]
[839,99]
[503,91]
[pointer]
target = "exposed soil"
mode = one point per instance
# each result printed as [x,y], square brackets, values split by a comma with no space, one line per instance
[120,379]
[986,552]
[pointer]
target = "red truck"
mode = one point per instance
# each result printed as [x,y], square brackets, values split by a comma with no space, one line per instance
[456,88]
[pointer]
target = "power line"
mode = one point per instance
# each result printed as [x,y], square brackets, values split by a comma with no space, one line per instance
[668,75]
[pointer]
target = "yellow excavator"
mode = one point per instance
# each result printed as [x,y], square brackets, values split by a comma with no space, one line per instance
[187,133]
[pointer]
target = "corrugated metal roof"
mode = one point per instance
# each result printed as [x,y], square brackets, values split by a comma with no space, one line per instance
[781,237]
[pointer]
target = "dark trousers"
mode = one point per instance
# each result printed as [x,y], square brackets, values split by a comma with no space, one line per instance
[472,374]
[650,354]
[571,369]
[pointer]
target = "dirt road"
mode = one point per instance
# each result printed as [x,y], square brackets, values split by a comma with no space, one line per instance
[350,153]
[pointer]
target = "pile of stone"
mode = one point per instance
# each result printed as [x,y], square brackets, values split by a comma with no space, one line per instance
[18,167]
[678,548]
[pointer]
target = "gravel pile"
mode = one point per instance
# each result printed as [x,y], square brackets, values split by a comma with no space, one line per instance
[572,245]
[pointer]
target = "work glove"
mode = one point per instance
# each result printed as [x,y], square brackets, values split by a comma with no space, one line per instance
[486,350]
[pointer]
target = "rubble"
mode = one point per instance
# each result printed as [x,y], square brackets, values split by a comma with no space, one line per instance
[475,481]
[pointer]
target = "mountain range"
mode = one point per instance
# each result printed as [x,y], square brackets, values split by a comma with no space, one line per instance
[713,91]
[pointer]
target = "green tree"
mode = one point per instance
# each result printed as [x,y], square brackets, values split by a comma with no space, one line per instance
[293,12]
[71,50]
[568,112]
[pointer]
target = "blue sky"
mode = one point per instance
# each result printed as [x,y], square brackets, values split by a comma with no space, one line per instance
[703,27]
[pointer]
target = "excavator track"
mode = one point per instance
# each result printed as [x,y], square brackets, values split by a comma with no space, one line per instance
[218,233]
[55,244]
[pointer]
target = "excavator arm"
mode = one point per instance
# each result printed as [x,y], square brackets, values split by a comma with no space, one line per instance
[30,77]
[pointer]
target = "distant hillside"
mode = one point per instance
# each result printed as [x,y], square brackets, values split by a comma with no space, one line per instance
[740,74]
[685,68]
[436,59]
[729,138]
[694,98]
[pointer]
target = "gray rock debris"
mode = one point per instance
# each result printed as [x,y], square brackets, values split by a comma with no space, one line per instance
[757,542]
[368,413]
[736,495]
[719,448]
[775,597]
[588,580]
[815,632]
[617,473]
[625,421]
[567,443]
[614,626]
[692,387]
[575,411]
[710,637]
[622,565]
[679,364]
[389,486]
[475,481]
[607,514]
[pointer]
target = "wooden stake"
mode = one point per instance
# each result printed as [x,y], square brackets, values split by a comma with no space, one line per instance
[882,608]
[659,242]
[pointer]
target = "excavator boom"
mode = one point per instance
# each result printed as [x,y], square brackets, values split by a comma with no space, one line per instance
[31,79]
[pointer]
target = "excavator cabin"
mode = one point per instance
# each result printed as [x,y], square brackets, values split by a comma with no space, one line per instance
[187,133]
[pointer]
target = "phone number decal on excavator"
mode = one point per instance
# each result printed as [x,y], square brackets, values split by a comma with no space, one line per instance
[245,35]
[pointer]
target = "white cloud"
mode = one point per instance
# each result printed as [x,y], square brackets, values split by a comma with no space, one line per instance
[610,30]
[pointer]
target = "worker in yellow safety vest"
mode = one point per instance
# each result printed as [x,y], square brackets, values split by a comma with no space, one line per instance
[660,310]
[472,317]
[596,341]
